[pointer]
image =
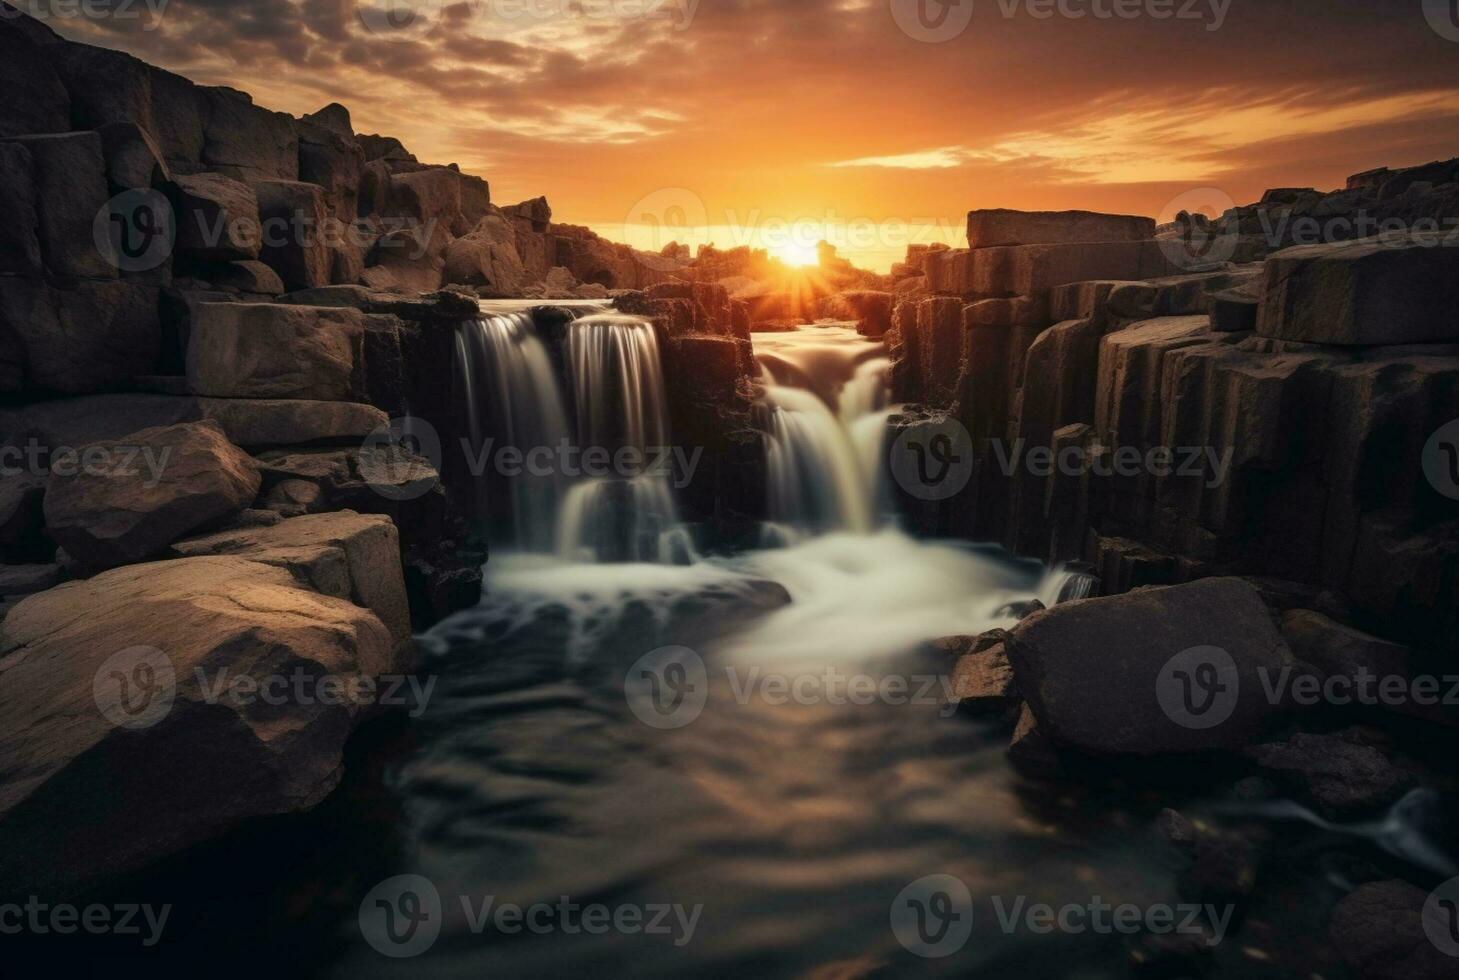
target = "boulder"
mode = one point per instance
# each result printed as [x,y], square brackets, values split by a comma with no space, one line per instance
[330,156]
[344,554]
[217,219]
[1342,774]
[22,520]
[133,158]
[1001,226]
[36,100]
[1160,670]
[90,335]
[255,350]
[982,677]
[20,246]
[295,498]
[125,501]
[1379,930]
[19,580]
[69,172]
[251,278]
[1371,292]
[295,240]
[251,422]
[247,141]
[122,711]
[871,310]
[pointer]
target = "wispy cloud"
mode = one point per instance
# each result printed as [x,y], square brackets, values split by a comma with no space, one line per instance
[939,159]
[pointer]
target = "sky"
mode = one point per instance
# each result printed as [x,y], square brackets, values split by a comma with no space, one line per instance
[872,123]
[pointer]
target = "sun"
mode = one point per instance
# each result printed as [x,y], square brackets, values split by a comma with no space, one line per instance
[797,255]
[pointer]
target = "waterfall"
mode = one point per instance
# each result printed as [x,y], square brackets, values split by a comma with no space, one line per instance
[512,398]
[618,385]
[827,394]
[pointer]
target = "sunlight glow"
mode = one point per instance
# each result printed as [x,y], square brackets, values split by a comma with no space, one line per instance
[797,254]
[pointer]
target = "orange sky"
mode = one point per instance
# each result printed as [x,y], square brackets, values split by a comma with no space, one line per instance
[776,122]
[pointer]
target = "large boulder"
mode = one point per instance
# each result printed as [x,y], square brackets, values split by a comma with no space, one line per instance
[133,158]
[344,554]
[69,171]
[20,246]
[1380,931]
[247,141]
[217,219]
[88,336]
[119,502]
[257,350]
[1001,226]
[295,233]
[247,422]
[1162,670]
[123,709]
[331,157]
[1371,292]
[1343,774]
[35,100]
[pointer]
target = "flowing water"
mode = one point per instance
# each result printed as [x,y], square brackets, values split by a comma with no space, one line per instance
[747,760]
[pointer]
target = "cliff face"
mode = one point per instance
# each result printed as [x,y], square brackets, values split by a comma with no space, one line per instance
[1167,413]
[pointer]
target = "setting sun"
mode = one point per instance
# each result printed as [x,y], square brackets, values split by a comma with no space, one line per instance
[797,254]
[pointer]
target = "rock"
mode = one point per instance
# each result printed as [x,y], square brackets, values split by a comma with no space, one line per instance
[1217,866]
[1110,675]
[217,219]
[22,522]
[295,498]
[343,554]
[133,158]
[1023,270]
[1029,750]
[253,278]
[982,677]
[1379,930]
[487,258]
[1371,292]
[1235,310]
[386,148]
[88,336]
[1340,773]
[252,423]
[247,141]
[20,246]
[200,768]
[330,156]
[36,100]
[871,310]
[1000,226]
[70,190]
[242,350]
[18,580]
[128,500]
[294,240]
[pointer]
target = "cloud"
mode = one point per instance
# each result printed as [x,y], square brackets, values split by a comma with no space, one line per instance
[939,159]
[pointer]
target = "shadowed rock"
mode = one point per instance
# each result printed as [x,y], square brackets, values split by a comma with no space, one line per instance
[1001,226]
